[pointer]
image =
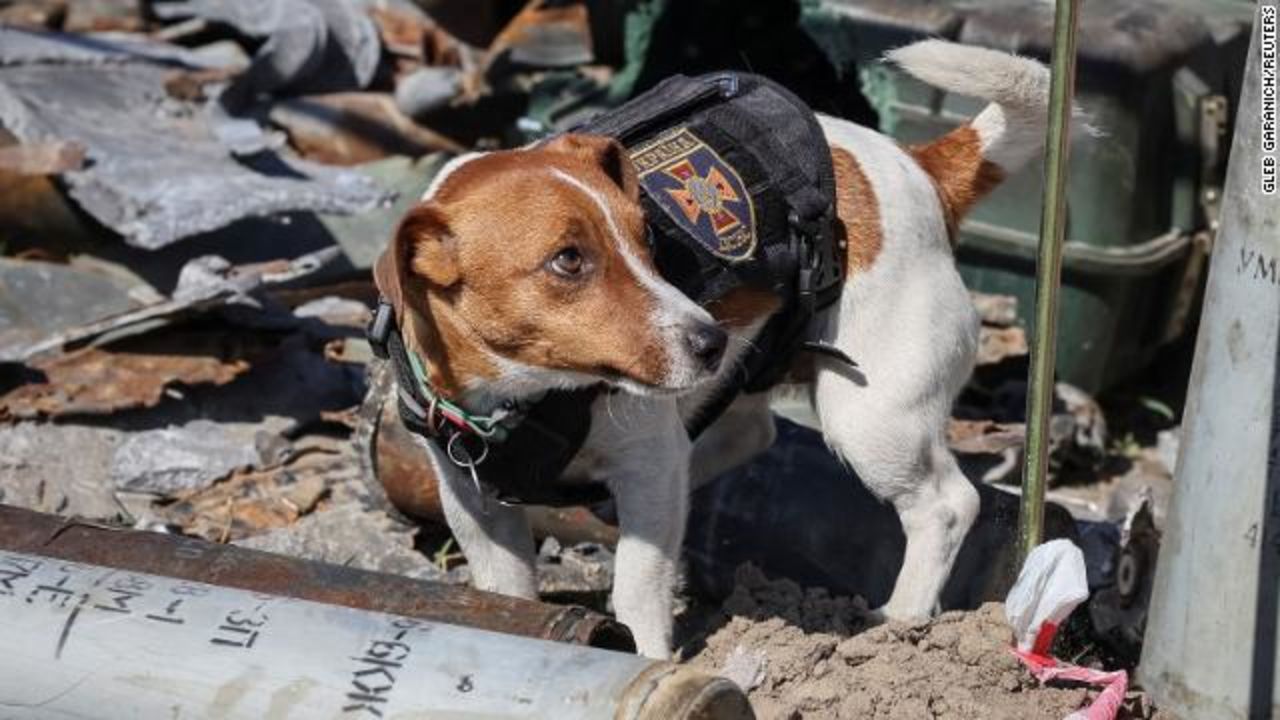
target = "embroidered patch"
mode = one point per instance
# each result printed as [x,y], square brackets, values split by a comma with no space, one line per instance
[701,192]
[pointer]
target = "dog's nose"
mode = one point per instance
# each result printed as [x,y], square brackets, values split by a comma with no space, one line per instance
[707,343]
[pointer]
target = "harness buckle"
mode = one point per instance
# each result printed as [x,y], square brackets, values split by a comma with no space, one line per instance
[802,234]
[379,328]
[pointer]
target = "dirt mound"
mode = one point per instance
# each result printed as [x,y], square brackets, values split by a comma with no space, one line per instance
[804,654]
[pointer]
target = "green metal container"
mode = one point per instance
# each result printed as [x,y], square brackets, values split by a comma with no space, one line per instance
[1156,78]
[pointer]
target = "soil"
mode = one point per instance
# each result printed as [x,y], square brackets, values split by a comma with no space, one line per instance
[803,654]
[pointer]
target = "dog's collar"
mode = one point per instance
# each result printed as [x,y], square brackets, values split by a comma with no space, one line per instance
[515,454]
[429,408]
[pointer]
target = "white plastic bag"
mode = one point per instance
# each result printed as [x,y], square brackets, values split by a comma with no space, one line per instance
[1052,583]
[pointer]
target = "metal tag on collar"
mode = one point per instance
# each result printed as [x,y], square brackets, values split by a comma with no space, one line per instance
[460,455]
[379,328]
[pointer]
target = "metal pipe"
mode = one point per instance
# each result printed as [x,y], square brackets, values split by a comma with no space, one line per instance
[235,567]
[87,641]
[1048,275]
[1212,646]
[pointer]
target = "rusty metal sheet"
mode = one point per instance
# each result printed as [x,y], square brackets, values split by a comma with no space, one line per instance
[93,381]
[546,36]
[248,503]
[351,128]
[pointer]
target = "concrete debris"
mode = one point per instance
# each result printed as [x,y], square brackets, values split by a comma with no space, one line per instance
[59,469]
[20,47]
[159,173]
[576,569]
[352,536]
[428,89]
[178,460]
[336,311]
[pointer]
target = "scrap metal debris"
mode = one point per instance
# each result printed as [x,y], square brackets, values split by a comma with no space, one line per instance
[204,283]
[38,299]
[353,128]
[92,381]
[158,170]
[308,45]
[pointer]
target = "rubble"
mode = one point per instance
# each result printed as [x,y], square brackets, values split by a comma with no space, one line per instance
[177,460]
[351,536]
[39,471]
[164,168]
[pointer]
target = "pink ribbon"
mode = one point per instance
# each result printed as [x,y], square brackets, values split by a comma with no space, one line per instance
[1114,683]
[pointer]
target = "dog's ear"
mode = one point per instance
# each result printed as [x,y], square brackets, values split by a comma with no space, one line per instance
[605,153]
[422,247]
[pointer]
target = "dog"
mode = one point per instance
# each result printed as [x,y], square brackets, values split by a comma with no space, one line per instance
[526,271]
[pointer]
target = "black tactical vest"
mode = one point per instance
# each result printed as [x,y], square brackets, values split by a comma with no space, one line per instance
[738,189]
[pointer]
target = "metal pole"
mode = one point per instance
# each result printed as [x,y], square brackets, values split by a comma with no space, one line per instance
[1048,273]
[1212,645]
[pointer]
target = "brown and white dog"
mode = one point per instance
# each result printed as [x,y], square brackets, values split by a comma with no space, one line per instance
[527,270]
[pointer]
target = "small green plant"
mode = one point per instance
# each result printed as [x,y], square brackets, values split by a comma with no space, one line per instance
[444,556]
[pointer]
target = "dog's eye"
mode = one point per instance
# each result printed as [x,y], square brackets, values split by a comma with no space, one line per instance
[568,262]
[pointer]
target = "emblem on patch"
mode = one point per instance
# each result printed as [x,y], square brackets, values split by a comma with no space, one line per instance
[701,192]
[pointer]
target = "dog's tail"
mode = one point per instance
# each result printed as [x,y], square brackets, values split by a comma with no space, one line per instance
[969,161]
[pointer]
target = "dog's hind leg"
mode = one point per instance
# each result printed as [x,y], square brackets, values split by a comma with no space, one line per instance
[896,443]
[495,538]
[906,318]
